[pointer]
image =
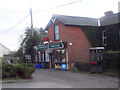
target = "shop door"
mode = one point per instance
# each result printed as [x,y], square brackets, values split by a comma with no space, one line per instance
[52,61]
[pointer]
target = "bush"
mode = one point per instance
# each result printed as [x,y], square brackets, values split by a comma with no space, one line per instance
[17,70]
[77,65]
[82,66]
[111,61]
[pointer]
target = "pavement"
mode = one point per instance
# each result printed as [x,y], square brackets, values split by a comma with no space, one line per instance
[48,78]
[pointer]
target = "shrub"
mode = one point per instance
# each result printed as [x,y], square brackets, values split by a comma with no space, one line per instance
[17,70]
[111,61]
[82,66]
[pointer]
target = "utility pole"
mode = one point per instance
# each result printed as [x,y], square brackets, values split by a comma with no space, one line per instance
[31,21]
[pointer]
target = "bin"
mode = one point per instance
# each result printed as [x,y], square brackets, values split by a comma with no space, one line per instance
[38,66]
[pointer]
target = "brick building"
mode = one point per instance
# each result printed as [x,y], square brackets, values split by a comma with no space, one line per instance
[71,37]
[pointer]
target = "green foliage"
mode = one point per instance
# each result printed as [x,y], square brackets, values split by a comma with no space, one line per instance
[17,70]
[94,35]
[111,61]
[77,65]
[81,66]
[112,34]
[30,43]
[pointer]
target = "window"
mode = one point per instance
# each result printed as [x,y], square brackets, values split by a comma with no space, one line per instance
[43,56]
[47,56]
[104,37]
[39,53]
[56,32]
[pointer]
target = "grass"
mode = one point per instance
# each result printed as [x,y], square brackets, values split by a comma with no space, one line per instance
[108,73]
[12,79]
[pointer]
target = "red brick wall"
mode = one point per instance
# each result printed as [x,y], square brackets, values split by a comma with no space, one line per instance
[79,51]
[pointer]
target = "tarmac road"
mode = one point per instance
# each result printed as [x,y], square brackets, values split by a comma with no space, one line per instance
[46,78]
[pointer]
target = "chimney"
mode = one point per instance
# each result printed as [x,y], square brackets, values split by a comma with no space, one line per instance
[108,13]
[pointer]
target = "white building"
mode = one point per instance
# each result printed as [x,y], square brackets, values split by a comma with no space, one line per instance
[3,50]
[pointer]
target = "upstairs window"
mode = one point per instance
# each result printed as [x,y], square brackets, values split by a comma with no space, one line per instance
[104,37]
[56,32]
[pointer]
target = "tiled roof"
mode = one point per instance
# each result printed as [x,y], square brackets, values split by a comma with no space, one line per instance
[74,21]
[71,20]
[85,21]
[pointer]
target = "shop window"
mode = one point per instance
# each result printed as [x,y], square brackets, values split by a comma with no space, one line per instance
[39,56]
[46,56]
[63,52]
[43,56]
[57,56]
[104,37]
[60,56]
[56,32]
[119,37]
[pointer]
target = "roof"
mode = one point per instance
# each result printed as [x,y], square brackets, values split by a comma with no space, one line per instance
[110,19]
[74,21]
[4,46]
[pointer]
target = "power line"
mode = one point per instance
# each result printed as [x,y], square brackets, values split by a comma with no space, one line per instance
[15,24]
[57,7]
[39,12]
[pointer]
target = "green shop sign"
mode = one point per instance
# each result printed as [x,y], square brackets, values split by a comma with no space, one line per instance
[57,45]
[42,47]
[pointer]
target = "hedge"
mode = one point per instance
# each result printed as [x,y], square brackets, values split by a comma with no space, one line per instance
[17,70]
[111,61]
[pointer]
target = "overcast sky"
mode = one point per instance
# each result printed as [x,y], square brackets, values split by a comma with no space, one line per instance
[13,11]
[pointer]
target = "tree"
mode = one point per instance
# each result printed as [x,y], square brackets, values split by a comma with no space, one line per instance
[29,42]
[32,40]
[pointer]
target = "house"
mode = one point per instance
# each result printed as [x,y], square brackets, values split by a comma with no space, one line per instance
[3,50]
[67,41]
[70,39]
[109,25]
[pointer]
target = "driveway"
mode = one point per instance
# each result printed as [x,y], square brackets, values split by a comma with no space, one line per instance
[46,78]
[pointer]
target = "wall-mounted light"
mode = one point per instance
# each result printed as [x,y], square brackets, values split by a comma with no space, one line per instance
[70,44]
[61,41]
[50,41]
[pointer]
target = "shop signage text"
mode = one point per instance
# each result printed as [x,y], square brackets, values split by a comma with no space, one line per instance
[56,45]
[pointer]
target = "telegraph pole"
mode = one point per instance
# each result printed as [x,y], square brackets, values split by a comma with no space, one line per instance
[31,21]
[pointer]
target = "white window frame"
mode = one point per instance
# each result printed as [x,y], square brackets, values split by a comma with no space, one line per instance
[47,56]
[56,32]
[104,37]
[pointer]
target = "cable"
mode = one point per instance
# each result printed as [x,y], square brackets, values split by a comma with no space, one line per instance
[39,12]
[15,24]
[57,7]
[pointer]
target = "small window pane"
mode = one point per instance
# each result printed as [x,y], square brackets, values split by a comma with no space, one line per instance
[43,56]
[56,32]
[47,56]
[39,56]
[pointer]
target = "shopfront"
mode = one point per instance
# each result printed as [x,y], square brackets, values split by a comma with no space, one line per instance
[52,56]
[42,57]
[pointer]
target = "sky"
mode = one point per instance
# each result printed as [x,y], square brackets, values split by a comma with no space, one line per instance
[15,15]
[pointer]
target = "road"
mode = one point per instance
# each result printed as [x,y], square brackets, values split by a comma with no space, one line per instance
[46,78]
